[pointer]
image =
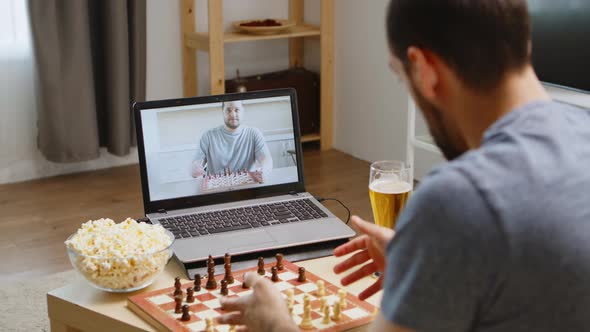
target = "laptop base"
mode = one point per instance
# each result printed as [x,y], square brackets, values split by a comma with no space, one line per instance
[239,262]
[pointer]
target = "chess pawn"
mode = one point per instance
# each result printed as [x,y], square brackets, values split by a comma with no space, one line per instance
[178,304]
[301,277]
[275,275]
[306,300]
[337,309]
[261,266]
[326,311]
[186,316]
[224,290]
[290,297]
[342,298]
[197,287]
[280,265]
[324,304]
[190,298]
[321,288]
[209,325]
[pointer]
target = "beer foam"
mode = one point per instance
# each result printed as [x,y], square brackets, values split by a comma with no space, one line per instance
[390,186]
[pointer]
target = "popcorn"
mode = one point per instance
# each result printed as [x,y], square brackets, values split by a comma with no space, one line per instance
[119,256]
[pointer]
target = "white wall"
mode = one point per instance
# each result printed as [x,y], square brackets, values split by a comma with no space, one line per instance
[370,104]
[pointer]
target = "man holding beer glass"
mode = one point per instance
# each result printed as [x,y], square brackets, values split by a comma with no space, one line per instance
[497,239]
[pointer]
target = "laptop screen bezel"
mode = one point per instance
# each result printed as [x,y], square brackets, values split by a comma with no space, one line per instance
[222,197]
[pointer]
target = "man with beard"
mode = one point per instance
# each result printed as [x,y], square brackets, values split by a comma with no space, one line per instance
[232,147]
[497,238]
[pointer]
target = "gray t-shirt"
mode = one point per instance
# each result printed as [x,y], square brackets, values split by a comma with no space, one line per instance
[499,239]
[235,151]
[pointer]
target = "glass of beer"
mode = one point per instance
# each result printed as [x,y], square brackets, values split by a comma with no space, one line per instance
[390,185]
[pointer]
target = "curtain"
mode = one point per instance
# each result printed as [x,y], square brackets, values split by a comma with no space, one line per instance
[90,57]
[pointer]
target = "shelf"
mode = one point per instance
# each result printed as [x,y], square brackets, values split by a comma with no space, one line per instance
[425,142]
[200,40]
[310,138]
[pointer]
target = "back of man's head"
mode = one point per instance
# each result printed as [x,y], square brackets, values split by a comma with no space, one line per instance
[481,40]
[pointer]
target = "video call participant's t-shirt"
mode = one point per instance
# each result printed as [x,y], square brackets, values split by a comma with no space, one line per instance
[236,151]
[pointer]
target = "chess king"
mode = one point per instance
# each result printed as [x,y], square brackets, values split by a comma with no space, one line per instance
[233,147]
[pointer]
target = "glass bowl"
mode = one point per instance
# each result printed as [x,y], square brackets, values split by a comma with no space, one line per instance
[121,274]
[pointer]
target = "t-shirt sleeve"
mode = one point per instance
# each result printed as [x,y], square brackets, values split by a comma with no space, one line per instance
[202,148]
[259,143]
[438,263]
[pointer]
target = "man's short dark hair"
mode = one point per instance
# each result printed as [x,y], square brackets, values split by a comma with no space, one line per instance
[481,40]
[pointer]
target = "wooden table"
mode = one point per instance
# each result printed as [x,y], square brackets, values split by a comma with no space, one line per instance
[80,307]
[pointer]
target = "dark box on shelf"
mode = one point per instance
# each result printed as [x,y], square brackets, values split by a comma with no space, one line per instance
[305,82]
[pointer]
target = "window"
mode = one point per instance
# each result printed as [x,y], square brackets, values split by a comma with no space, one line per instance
[14,28]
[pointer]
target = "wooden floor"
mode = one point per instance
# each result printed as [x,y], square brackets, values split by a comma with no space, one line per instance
[37,216]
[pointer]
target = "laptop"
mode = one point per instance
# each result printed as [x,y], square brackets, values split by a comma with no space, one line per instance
[224,173]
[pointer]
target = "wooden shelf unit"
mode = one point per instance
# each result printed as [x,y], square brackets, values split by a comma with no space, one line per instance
[215,39]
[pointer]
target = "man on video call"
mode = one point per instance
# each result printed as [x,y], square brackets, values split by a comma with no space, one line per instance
[497,239]
[233,147]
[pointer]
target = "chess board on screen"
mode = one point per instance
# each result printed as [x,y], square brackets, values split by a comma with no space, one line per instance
[314,303]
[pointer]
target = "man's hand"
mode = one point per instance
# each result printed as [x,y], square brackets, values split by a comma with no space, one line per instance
[263,310]
[372,246]
[257,176]
[197,169]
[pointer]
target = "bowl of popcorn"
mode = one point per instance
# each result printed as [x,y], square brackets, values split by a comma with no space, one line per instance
[119,257]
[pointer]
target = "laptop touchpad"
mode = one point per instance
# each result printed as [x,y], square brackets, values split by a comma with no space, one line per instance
[250,240]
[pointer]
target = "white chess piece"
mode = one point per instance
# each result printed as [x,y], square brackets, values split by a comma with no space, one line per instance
[326,311]
[336,316]
[321,288]
[342,298]
[324,303]
[210,325]
[290,297]
[306,322]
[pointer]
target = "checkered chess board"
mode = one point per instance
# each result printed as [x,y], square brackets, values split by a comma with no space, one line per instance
[157,307]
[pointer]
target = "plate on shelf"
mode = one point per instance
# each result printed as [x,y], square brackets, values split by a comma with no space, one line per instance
[263,27]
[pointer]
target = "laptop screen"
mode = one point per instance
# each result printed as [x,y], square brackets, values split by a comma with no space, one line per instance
[219,147]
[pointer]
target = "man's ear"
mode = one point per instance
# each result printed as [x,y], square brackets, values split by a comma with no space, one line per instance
[423,72]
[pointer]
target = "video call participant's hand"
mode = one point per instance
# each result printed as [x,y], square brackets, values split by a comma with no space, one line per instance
[263,310]
[197,169]
[370,249]
[257,176]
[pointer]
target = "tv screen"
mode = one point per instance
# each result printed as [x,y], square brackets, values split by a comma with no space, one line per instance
[561,44]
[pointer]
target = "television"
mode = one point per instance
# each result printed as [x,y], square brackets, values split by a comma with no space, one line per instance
[561,44]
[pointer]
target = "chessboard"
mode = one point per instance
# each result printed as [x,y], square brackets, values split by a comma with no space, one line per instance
[159,307]
[227,180]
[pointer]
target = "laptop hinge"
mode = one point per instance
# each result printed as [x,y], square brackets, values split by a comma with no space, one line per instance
[162,211]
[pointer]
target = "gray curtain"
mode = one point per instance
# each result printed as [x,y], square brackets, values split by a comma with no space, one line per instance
[90,57]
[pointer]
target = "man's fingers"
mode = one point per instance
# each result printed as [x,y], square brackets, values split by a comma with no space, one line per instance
[364,271]
[234,303]
[242,328]
[356,259]
[374,288]
[353,245]
[381,234]
[233,318]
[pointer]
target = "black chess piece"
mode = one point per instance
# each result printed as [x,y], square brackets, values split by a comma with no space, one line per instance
[224,290]
[197,283]
[261,266]
[275,274]
[280,265]
[301,277]
[186,316]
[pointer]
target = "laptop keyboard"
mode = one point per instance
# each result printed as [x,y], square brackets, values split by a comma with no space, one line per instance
[205,223]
